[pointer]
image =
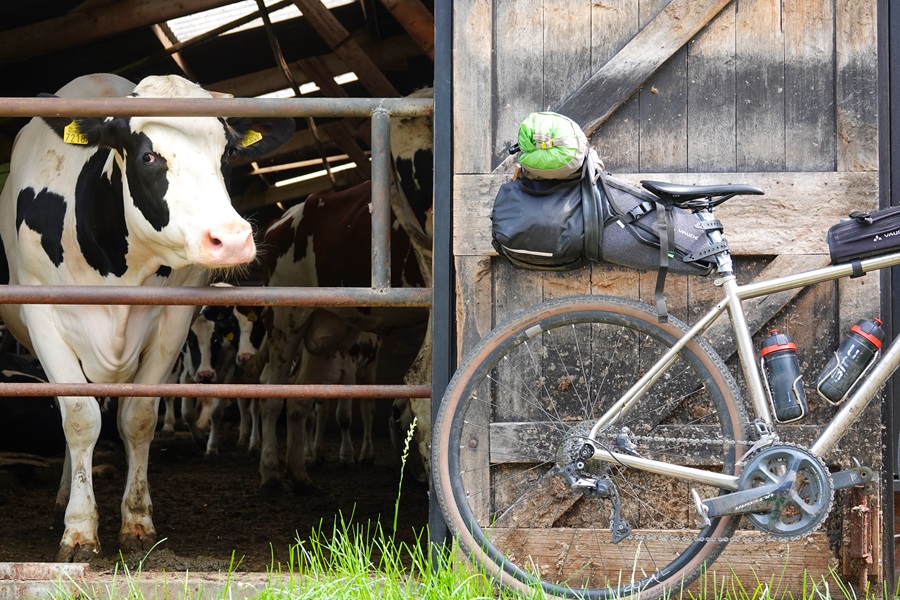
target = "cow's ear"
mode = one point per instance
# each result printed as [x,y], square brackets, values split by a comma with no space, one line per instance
[89,131]
[253,137]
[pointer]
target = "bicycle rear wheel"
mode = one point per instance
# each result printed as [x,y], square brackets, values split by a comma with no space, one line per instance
[517,411]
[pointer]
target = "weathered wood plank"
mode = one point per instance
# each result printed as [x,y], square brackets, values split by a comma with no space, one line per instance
[472,86]
[616,139]
[519,51]
[567,33]
[663,108]
[792,218]
[711,96]
[609,87]
[759,73]
[772,564]
[856,88]
[809,85]
[474,301]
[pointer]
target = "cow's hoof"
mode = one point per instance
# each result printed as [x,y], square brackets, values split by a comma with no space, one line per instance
[166,432]
[78,553]
[304,488]
[133,544]
[366,461]
[271,488]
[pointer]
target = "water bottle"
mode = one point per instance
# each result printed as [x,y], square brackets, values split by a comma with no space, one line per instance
[781,370]
[850,360]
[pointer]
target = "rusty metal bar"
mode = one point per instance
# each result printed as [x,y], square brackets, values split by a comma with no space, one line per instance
[214,107]
[240,296]
[381,199]
[215,390]
[379,109]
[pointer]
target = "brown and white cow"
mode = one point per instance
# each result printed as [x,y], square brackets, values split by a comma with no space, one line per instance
[137,201]
[325,241]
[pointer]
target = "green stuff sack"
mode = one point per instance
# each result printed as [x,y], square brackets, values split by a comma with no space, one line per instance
[551,146]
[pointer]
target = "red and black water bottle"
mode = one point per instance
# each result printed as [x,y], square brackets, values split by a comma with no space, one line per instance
[782,372]
[850,360]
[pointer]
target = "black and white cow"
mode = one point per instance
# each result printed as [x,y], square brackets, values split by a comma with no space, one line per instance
[221,341]
[138,201]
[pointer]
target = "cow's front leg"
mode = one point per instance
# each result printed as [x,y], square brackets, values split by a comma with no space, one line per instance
[270,476]
[298,411]
[81,424]
[137,423]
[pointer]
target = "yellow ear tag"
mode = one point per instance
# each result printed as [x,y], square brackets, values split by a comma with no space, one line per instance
[72,135]
[251,138]
[251,317]
[229,337]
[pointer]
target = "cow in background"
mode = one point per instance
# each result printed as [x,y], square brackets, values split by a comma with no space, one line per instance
[326,242]
[138,201]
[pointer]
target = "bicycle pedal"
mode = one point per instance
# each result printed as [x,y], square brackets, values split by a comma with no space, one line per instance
[702,509]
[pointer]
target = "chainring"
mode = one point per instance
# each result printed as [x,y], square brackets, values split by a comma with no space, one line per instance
[807,501]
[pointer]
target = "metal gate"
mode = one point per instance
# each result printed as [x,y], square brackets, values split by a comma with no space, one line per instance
[379,110]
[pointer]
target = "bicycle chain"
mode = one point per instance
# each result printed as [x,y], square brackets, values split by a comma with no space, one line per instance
[739,540]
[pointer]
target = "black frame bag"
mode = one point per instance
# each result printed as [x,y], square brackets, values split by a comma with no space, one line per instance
[865,234]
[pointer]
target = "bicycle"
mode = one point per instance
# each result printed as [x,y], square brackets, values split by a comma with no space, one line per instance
[548,448]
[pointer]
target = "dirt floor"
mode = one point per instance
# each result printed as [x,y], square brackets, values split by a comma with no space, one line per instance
[210,509]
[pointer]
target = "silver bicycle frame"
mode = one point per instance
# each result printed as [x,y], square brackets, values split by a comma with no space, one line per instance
[734,294]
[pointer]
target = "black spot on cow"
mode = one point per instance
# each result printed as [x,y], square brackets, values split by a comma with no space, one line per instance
[44,213]
[100,216]
[163,271]
[417,181]
[146,171]
[4,268]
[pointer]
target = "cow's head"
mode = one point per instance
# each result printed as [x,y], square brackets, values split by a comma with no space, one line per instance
[174,186]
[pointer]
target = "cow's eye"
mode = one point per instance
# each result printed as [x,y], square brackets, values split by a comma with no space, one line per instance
[149,158]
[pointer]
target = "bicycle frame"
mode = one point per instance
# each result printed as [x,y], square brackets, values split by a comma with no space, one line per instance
[734,294]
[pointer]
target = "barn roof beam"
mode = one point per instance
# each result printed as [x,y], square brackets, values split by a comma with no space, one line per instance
[416,20]
[87,25]
[618,79]
[392,52]
[336,36]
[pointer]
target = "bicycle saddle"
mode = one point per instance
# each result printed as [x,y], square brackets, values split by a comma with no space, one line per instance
[692,192]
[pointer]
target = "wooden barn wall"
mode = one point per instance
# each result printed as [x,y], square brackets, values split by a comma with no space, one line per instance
[781,94]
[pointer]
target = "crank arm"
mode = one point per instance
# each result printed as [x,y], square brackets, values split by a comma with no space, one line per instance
[761,499]
[851,477]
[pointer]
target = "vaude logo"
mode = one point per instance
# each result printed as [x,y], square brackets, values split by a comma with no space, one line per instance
[696,237]
[886,235]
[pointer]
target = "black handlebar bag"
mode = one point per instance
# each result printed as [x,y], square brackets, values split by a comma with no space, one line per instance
[865,234]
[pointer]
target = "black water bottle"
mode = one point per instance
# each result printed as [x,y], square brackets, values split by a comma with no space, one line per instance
[782,372]
[850,360]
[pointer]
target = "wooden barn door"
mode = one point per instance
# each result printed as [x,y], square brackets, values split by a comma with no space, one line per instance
[781,94]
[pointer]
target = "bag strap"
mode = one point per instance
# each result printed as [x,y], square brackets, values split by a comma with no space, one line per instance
[666,229]
[666,221]
[590,210]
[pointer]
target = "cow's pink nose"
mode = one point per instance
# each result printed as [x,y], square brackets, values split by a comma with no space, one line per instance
[243,358]
[205,376]
[229,245]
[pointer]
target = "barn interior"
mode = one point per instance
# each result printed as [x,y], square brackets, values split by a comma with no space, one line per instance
[249,48]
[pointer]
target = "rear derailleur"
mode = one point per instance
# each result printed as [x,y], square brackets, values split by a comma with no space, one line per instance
[599,487]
